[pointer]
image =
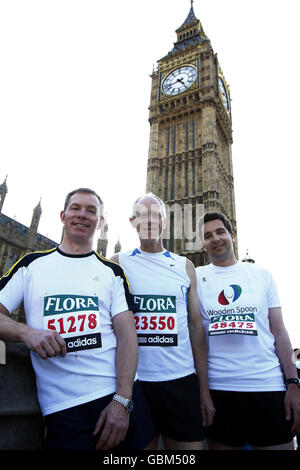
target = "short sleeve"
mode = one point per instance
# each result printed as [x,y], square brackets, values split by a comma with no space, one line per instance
[121,300]
[272,292]
[12,288]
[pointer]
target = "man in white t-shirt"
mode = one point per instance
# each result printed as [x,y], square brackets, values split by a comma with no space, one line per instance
[171,337]
[81,334]
[252,379]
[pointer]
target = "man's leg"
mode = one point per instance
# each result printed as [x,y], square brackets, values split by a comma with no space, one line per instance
[153,444]
[270,430]
[287,446]
[71,429]
[214,445]
[172,444]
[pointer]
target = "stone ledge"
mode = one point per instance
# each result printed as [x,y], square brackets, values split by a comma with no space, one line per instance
[17,383]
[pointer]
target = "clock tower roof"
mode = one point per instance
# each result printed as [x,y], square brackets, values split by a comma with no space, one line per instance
[191,19]
[189,34]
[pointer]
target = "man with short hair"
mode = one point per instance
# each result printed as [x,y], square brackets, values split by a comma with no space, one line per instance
[252,379]
[80,330]
[170,332]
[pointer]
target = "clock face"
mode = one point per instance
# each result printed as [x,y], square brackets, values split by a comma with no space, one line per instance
[179,80]
[224,95]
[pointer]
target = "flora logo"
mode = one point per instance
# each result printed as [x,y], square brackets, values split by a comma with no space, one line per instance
[230,294]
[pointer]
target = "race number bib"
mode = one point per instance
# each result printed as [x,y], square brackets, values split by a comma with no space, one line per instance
[156,320]
[75,318]
[237,324]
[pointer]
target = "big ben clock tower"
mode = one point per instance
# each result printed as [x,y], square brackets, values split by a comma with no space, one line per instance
[189,161]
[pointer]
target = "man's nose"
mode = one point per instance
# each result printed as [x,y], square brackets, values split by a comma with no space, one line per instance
[215,237]
[82,213]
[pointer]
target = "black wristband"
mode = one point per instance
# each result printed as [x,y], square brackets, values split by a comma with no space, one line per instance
[292,381]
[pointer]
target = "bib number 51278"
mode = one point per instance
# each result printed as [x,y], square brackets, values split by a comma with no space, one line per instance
[72,324]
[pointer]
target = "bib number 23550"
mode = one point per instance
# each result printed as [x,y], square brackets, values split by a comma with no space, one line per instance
[156,320]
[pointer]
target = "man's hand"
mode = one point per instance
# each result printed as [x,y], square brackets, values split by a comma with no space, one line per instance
[114,422]
[44,342]
[207,409]
[292,407]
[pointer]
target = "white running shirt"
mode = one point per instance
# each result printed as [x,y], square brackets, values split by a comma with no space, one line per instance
[77,295]
[159,283]
[235,301]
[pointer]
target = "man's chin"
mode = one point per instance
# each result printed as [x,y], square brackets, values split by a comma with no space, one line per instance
[149,236]
[149,240]
[219,257]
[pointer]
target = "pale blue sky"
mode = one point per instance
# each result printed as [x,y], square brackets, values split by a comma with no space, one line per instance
[69,65]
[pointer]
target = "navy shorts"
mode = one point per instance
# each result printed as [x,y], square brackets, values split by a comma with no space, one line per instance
[175,408]
[256,418]
[72,429]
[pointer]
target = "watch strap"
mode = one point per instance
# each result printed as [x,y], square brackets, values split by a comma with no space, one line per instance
[292,381]
[128,404]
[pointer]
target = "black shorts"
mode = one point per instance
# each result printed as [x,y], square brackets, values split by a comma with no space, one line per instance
[256,418]
[72,429]
[175,408]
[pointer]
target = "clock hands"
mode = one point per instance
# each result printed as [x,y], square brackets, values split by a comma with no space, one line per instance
[174,83]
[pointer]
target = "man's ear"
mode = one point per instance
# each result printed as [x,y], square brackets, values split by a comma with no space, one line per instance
[132,220]
[62,216]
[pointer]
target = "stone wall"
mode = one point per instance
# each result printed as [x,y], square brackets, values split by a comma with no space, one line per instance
[21,423]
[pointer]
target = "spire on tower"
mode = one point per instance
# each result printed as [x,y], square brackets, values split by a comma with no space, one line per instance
[37,212]
[118,246]
[3,192]
[189,34]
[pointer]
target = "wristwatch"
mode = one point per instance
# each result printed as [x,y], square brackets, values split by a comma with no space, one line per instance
[292,381]
[128,404]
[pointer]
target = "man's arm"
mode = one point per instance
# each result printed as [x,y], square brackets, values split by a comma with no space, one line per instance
[199,347]
[46,343]
[114,419]
[284,353]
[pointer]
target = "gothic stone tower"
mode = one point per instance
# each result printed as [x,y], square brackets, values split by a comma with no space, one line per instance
[189,161]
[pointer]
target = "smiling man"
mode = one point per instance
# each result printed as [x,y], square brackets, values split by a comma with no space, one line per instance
[81,334]
[252,378]
[172,364]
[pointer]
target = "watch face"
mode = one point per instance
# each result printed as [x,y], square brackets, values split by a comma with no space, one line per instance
[179,80]
[224,95]
[129,406]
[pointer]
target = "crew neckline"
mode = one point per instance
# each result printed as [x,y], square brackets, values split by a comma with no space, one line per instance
[150,253]
[223,269]
[69,255]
